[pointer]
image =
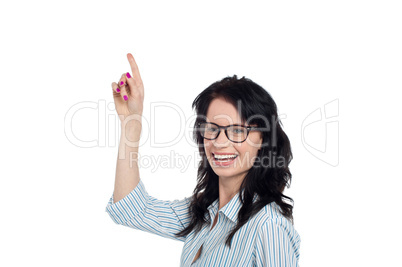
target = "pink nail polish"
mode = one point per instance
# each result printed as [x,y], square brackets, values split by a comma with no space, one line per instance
[118,90]
[125,97]
[128,75]
[121,83]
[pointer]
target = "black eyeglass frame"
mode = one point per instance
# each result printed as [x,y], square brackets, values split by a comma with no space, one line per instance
[248,128]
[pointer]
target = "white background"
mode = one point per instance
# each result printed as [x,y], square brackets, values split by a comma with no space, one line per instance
[56,55]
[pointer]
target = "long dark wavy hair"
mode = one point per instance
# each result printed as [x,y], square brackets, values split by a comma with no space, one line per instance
[266,180]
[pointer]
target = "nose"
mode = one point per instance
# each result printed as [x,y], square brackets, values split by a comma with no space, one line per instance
[221,140]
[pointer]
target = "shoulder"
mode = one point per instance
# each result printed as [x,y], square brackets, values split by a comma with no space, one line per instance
[277,243]
[270,213]
[270,220]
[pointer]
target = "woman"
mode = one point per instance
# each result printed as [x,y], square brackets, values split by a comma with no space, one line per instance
[237,215]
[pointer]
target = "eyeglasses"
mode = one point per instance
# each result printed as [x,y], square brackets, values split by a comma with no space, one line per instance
[236,133]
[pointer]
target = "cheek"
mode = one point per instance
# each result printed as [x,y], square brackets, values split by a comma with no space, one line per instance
[254,142]
[207,145]
[243,149]
[248,152]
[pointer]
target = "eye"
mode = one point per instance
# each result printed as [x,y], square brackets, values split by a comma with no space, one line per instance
[237,130]
[211,129]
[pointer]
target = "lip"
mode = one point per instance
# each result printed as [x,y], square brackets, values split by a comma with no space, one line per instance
[223,163]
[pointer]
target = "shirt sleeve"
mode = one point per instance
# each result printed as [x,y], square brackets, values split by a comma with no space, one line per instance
[141,211]
[277,245]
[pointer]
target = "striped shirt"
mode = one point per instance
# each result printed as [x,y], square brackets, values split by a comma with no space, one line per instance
[267,239]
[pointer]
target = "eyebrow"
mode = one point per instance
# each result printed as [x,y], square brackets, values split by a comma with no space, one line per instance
[234,124]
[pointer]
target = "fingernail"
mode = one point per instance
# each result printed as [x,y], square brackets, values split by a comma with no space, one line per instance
[118,90]
[121,83]
[125,97]
[128,75]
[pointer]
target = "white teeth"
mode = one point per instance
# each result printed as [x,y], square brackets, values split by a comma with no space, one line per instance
[224,156]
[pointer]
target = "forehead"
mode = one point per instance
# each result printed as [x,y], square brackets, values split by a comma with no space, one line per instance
[222,112]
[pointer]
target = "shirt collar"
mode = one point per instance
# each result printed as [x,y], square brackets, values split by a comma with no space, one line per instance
[231,209]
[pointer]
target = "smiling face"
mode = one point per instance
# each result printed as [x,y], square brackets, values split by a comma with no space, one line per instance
[224,113]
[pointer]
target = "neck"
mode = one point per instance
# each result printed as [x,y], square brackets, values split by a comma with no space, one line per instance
[228,188]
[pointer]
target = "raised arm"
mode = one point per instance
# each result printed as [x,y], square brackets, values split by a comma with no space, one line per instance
[130,204]
[143,212]
[128,97]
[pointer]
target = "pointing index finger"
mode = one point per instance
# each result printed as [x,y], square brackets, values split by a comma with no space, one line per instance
[134,68]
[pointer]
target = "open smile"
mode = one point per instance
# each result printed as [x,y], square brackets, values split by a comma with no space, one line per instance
[223,159]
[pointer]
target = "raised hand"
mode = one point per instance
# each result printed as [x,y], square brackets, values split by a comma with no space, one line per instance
[128,93]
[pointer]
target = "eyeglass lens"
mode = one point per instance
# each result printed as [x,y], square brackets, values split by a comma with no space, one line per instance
[234,133]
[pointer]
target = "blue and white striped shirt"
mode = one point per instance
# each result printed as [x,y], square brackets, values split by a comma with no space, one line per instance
[267,239]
